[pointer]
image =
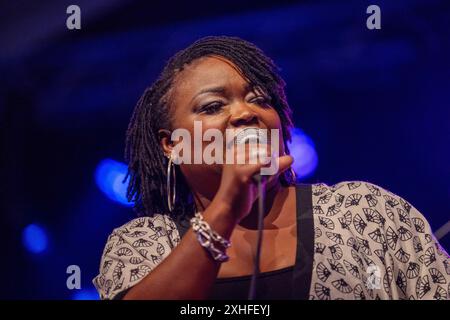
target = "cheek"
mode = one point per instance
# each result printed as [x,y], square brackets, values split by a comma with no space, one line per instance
[272,119]
[197,126]
[218,122]
[187,120]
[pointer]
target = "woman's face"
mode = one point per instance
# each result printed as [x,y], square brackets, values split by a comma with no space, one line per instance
[212,90]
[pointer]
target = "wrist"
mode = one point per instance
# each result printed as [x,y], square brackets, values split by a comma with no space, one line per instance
[220,218]
[221,211]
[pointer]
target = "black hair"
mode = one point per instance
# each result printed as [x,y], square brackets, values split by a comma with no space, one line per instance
[147,165]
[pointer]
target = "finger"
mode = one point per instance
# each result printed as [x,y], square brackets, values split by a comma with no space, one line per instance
[284,163]
[276,166]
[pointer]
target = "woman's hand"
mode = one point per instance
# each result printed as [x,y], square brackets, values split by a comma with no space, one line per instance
[238,189]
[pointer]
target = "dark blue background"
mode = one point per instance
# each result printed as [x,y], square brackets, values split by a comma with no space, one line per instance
[375,103]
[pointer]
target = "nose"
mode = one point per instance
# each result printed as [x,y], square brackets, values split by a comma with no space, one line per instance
[243,115]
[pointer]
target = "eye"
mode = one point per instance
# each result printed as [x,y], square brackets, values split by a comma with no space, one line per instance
[211,108]
[262,101]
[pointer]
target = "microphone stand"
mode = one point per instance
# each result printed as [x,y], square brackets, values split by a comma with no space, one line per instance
[252,291]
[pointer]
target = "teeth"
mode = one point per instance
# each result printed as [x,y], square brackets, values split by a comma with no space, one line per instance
[250,134]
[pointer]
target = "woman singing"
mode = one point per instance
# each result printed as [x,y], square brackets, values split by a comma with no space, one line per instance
[351,240]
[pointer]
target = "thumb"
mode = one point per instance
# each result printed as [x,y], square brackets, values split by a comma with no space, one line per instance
[277,165]
[284,162]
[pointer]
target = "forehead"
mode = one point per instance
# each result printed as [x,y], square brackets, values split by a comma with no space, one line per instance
[206,72]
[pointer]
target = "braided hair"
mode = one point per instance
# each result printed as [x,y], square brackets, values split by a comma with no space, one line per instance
[147,164]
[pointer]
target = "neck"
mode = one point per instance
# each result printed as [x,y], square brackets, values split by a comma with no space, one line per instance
[274,194]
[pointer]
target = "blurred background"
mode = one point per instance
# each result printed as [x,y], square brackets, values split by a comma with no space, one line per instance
[369,105]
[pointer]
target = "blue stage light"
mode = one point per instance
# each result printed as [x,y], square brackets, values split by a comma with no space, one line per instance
[305,156]
[35,239]
[109,176]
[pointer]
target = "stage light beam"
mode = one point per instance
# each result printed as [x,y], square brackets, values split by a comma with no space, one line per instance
[35,239]
[109,177]
[304,153]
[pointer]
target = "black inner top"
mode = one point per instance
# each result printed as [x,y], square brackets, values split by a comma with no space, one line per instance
[276,284]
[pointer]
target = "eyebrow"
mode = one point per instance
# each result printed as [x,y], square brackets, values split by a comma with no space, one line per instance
[221,90]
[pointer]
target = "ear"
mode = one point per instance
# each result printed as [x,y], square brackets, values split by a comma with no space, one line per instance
[165,141]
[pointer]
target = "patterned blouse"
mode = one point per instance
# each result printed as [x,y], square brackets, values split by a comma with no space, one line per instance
[358,241]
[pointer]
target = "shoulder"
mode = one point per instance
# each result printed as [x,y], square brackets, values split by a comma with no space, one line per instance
[132,251]
[357,203]
[347,194]
[351,186]
[154,228]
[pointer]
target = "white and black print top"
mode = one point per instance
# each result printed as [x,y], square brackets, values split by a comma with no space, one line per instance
[356,240]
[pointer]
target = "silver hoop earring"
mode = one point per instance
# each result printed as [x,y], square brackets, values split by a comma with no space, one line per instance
[171,200]
[294,176]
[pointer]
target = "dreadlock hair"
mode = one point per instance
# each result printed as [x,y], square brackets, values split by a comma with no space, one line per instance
[147,165]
